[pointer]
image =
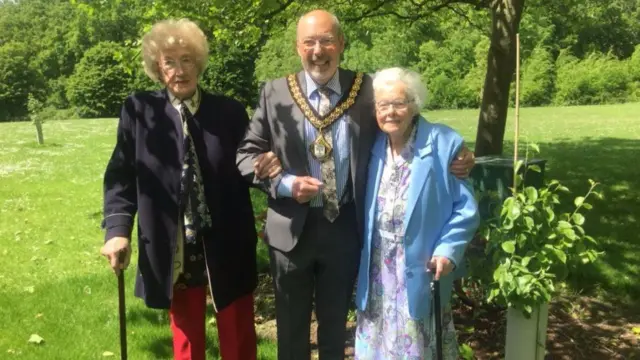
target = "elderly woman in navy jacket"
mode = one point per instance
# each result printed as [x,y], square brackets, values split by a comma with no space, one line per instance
[174,166]
[419,220]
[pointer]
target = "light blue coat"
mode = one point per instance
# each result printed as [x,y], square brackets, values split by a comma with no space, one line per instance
[441,215]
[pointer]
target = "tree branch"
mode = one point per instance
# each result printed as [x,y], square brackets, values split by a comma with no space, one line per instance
[367,14]
[283,7]
[461,13]
[264,36]
[420,9]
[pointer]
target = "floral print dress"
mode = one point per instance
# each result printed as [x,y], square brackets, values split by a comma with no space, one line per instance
[385,330]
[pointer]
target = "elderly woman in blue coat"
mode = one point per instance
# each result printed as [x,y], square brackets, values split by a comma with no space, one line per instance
[418,221]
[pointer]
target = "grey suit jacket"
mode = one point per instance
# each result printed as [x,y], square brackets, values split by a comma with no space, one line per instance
[278,125]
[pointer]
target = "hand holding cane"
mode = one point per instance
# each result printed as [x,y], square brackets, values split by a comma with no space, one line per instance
[121,306]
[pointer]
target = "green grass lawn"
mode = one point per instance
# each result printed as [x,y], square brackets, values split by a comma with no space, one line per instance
[54,283]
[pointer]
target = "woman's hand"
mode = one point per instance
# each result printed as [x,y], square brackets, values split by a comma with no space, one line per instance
[441,265]
[118,251]
[267,165]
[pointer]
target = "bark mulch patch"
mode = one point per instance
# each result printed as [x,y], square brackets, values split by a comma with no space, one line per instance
[580,327]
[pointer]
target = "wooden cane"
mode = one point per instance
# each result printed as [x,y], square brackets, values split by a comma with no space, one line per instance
[122,309]
[435,291]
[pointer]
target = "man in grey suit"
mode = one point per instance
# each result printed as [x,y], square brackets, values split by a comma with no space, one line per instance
[320,125]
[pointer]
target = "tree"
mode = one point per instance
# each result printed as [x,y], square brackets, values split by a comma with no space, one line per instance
[99,83]
[505,16]
[17,80]
[501,64]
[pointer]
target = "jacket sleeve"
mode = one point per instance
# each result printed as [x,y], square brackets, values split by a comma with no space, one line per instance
[464,220]
[256,141]
[119,186]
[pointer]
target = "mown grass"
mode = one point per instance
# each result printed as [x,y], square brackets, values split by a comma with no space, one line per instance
[54,283]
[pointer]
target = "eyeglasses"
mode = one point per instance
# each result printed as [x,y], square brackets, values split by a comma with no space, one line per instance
[171,65]
[325,43]
[396,104]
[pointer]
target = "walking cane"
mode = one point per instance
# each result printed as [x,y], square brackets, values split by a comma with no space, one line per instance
[122,310]
[435,291]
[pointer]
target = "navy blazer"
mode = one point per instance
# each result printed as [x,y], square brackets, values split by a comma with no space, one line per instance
[143,178]
[440,219]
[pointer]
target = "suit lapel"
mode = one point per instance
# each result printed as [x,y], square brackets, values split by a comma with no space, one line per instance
[352,116]
[299,118]
[421,167]
[174,116]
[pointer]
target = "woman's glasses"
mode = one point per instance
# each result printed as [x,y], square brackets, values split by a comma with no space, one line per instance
[396,104]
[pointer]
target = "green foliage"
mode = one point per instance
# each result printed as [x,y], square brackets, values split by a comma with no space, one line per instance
[634,73]
[99,83]
[57,93]
[538,77]
[17,80]
[230,72]
[533,243]
[466,352]
[252,41]
[278,56]
[381,43]
[34,107]
[451,70]
[597,79]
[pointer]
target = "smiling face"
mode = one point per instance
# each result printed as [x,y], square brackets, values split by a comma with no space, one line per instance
[319,44]
[179,71]
[393,109]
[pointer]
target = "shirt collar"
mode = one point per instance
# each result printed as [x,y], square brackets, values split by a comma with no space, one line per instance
[333,83]
[192,103]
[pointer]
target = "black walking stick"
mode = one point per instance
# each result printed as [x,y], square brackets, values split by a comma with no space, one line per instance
[435,291]
[122,310]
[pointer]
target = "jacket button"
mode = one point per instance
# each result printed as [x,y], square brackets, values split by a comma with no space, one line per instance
[410,275]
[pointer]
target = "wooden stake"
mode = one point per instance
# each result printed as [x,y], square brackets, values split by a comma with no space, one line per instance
[517,117]
[39,135]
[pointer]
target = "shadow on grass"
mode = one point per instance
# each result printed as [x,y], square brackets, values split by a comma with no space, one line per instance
[581,326]
[614,221]
[78,318]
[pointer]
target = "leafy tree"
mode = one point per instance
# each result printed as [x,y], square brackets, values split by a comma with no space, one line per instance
[99,83]
[17,80]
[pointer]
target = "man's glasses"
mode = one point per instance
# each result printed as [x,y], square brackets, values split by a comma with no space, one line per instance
[325,43]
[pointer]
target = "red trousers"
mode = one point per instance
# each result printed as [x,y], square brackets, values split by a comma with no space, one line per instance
[236,330]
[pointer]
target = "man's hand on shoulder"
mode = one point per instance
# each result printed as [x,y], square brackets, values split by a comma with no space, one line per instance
[305,188]
[463,163]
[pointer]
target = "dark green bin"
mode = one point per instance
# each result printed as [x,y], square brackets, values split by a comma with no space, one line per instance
[495,174]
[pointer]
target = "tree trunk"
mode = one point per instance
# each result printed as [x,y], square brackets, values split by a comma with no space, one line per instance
[501,65]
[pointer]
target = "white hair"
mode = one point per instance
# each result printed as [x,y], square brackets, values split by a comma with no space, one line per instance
[416,91]
[168,34]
